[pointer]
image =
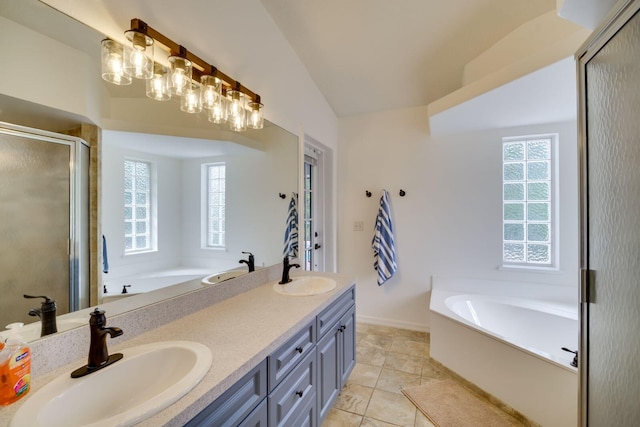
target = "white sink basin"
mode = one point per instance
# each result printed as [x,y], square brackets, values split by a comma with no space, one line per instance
[305,286]
[221,277]
[148,379]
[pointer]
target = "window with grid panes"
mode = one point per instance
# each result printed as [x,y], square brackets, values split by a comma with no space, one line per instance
[215,199]
[528,201]
[137,206]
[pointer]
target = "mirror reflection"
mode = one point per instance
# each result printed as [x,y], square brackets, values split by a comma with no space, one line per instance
[177,199]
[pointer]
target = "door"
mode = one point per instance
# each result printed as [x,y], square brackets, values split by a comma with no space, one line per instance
[609,71]
[313,210]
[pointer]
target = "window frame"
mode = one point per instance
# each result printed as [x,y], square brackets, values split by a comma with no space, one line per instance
[151,205]
[553,241]
[205,228]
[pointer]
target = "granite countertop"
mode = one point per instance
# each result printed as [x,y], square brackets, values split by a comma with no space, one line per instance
[241,331]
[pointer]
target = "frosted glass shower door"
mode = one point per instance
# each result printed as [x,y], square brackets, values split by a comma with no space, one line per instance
[35,218]
[610,73]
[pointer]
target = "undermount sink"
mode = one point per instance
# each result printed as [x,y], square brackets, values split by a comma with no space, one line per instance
[221,277]
[306,285]
[145,381]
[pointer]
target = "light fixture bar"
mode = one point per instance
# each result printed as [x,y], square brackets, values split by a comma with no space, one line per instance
[201,67]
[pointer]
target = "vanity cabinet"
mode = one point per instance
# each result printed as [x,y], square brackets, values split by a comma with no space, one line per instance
[336,351]
[240,405]
[297,384]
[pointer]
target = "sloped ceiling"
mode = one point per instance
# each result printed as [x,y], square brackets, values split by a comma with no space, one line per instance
[373,55]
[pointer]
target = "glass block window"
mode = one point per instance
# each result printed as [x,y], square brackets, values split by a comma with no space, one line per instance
[528,205]
[137,206]
[215,196]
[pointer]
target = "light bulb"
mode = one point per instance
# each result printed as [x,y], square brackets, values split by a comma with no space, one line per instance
[113,64]
[190,102]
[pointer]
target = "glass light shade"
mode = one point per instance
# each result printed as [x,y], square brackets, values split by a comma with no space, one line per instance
[158,84]
[180,79]
[138,58]
[255,120]
[218,114]
[209,91]
[237,112]
[113,63]
[190,101]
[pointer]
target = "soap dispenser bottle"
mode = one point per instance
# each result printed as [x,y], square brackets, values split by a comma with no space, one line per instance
[15,367]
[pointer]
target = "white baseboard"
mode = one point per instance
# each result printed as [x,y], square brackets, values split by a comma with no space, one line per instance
[393,323]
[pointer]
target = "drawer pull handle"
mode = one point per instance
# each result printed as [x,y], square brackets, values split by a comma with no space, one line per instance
[342,328]
[299,350]
[299,393]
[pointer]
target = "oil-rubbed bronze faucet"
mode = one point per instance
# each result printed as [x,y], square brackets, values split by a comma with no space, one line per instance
[46,313]
[98,353]
[251,263]
[285,270]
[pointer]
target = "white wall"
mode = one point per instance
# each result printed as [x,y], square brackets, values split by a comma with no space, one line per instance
[255,215]
[449,223]
[169,213]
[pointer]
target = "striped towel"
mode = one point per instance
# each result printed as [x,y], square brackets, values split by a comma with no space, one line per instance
[384,251]
[291,230]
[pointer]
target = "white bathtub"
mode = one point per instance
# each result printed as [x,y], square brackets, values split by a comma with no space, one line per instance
[142,283]
[506,338]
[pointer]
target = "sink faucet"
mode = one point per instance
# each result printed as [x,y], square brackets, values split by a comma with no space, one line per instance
[46,313]
[285,270]
[250,262]
[98,354]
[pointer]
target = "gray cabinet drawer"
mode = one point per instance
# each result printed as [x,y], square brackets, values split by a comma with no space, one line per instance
[285,358]
[293,394]
[235,404]
[332,314]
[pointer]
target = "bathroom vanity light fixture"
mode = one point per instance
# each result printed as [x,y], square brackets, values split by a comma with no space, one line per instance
[180,73]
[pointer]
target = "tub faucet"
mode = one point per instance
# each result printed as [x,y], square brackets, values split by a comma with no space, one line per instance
[285,270]
[574,362]
[251,263]
[98,354]
[46,313]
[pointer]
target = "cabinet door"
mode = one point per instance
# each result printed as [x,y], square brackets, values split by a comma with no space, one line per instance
[347,352]
[329,378]
[258,418]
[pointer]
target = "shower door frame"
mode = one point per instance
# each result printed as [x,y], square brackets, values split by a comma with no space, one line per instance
[78,233]
[614,22]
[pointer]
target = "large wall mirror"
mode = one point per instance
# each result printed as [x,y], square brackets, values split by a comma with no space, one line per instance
[170,248]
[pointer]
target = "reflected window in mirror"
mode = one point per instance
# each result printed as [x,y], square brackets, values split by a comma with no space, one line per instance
[215,203]
[138,230]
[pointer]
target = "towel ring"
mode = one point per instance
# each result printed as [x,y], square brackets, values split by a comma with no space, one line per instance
[368,193]
[282,196]
[402,193]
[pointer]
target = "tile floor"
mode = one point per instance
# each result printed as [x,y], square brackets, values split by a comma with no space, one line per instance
[388,359]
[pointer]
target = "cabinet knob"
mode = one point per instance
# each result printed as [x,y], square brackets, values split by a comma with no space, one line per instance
[342,328]
[299,393]
[299,350]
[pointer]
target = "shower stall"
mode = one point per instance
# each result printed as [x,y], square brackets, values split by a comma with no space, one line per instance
[44,219]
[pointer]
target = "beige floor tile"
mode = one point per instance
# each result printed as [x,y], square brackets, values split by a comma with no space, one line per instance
[404,362]
[354,398]
[381,342]
[394,381]
[407,346]
[370,356]
[391,407]
[422,420]
[340,418]
[370,422]
[431,372]
[366,375]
